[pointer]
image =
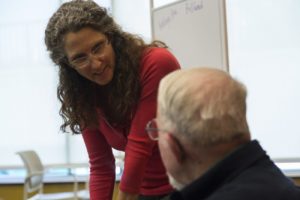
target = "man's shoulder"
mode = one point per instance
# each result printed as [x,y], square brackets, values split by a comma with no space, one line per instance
[173,196]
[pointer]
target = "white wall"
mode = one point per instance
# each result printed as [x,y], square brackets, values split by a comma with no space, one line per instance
[28,104]
[133,16]
[264,53]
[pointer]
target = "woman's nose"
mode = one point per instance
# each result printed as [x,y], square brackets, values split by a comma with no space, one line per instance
[95,61]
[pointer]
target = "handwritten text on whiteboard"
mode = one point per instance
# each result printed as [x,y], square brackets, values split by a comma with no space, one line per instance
[190,7]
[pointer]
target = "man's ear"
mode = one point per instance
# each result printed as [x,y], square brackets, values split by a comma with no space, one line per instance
[175,147]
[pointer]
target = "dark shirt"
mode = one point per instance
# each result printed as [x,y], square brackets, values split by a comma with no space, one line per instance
[246,174]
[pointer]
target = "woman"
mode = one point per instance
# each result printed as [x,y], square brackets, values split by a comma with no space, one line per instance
[108,82]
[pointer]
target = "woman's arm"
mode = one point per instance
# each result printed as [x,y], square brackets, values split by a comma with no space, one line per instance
[126,196]
[102,165]
[155,65]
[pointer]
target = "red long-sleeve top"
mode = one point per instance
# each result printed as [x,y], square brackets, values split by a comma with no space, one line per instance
[143,172]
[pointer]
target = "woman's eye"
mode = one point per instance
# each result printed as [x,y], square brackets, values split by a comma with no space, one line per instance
[79,60]
[98,47]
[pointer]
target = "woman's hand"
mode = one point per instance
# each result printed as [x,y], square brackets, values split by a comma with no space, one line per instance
[126,196]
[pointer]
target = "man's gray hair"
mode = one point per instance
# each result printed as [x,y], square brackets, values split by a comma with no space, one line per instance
[205,106]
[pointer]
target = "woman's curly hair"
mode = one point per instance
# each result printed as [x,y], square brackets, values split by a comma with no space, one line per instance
[80,97]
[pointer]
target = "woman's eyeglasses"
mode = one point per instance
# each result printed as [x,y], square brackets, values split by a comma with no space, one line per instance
[84,60]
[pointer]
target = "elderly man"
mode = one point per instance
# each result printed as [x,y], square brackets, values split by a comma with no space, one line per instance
[205,142]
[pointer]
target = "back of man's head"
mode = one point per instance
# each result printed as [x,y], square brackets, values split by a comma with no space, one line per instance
[203,108]
[206,105]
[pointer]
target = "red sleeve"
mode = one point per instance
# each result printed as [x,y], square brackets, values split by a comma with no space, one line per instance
[156,63]
[102,165]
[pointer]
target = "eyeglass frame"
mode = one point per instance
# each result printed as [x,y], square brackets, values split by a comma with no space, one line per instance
[152,131]
[101,45]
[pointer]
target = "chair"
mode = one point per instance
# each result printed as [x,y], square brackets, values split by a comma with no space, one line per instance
[33,185]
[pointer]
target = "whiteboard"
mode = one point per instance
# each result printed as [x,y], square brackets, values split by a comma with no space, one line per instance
[195,31]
